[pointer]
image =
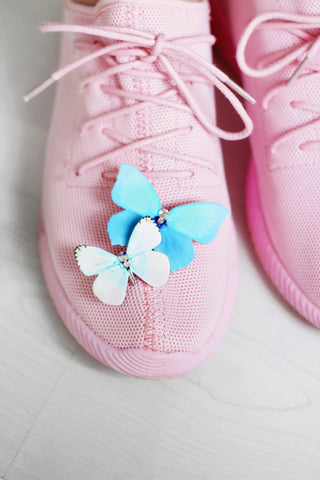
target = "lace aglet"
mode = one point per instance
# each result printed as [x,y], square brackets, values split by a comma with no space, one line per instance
[36,91]
[251,99]
[247,96]
[244,94]
[240,91]
[296,74]
[46,27]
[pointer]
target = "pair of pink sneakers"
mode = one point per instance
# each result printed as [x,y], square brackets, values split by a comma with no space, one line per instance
[137,242]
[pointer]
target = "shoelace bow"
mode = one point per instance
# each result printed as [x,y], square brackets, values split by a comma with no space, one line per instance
[142,47]
[298,25]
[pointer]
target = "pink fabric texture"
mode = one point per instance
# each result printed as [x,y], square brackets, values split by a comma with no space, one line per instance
[278,51]
[184,166]
[138,362]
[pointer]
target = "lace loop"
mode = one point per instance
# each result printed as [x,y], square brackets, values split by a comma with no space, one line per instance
[299,25]
[289,22]
[140,48]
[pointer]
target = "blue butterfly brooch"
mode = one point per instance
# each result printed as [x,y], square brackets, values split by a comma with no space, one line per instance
[158,240]
[179,226]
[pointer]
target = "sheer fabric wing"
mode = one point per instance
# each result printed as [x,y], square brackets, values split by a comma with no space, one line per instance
[132,191]
[121,225]
[178,248]
[145,236]
[152,267]
[111,285]
[199,221]
[93,260]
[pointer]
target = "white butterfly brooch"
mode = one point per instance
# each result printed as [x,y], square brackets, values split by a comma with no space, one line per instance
[113,271]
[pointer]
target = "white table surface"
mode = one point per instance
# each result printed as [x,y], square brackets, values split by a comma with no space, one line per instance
[251,412]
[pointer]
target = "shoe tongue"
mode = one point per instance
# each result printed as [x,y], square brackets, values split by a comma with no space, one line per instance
[175,18]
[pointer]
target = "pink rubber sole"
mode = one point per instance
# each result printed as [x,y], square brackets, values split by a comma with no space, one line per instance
[137,362]
[268,256]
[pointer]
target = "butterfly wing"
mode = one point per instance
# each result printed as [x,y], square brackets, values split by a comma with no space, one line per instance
[121,226]
[145,236]
[152,267]
[178,248]
[93,260]
[110,286]
[132,191]
[111,283]
[199,221]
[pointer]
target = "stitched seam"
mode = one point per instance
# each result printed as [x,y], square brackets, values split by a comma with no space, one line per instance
[155,334]
[95,15]
[140,122]
[69,159]
[70,162]
[151,327]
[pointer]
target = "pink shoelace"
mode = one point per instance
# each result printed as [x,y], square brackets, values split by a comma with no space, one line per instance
[299,26]
[143,47]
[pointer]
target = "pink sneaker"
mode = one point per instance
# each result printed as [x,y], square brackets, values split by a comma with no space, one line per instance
[279,55]
[138,92]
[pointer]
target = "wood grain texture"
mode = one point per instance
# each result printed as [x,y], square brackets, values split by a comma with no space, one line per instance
[251,412]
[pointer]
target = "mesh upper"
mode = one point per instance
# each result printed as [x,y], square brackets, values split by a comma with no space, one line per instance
[182,315]
[288,177]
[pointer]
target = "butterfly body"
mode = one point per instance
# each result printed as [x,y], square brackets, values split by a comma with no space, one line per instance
[126,263]
[161,219]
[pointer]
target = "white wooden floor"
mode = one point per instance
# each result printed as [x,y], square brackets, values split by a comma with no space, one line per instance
[251,412]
